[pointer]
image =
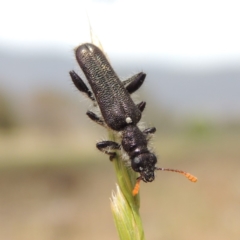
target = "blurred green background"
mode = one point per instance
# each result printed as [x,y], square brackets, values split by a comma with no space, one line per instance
[54,184]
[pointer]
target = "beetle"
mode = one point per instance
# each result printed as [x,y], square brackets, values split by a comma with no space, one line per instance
[118,111]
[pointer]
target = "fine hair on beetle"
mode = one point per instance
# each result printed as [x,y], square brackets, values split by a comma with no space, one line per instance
[118,111]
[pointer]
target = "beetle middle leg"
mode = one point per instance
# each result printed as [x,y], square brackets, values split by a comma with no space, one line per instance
[94,117]
[141,106]
[108,147]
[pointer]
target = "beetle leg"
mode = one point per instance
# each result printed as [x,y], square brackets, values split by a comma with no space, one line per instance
[149,130]
[141,106]
[80,85]
[94,117]
[108,147]
[135,82]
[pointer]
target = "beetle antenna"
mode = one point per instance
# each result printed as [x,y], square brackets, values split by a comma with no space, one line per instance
[187,175]
[137,186]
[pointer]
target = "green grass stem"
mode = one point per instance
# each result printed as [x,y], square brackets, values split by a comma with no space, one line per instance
[125,206]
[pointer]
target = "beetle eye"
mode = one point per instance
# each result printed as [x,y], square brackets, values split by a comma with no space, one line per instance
[136,160]
[136,164]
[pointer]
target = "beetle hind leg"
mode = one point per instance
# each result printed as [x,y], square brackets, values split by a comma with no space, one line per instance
[135,82]
[81,86]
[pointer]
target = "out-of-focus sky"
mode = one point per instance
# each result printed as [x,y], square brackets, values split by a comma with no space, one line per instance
[189,49]
[183,30]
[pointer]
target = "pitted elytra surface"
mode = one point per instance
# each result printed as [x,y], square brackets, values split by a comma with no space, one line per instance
[118,110]
[114,101]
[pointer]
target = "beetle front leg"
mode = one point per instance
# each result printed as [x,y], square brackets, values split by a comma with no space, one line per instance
[108,147]
[149,132]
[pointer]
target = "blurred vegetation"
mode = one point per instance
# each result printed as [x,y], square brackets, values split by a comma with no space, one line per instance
[8,118]
[52,125]
[54,184]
